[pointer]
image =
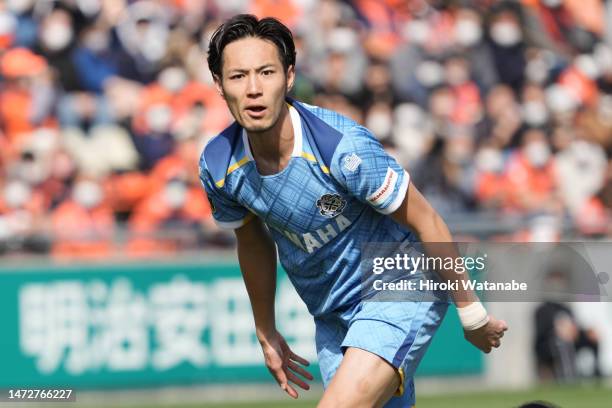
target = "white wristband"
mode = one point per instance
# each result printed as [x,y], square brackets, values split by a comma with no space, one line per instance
[473,316]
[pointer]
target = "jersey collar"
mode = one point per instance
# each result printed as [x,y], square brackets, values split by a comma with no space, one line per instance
[296,123]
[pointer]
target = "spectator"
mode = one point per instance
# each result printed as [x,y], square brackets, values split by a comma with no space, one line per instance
[83,225]
[531,177]
[455,91]
[558,335]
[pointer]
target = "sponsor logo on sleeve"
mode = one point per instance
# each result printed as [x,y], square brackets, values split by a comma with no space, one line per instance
[352,162]
[386,189]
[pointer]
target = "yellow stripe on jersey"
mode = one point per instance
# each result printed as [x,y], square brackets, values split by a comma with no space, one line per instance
[231,169]
[237,165]
[311,158]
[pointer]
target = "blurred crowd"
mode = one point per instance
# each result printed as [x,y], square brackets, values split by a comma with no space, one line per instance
[497,107]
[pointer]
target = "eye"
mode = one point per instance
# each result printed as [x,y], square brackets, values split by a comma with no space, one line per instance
[268,72]
[236,76]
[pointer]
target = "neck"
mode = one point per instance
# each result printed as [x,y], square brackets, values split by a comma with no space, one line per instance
[276,143]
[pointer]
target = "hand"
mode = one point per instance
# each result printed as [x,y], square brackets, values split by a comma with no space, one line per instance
[284,364]
[487,336]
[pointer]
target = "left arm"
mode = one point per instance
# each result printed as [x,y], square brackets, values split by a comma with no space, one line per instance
[415,212]
[367,172]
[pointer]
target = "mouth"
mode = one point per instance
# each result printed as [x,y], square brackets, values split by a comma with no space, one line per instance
[256,111]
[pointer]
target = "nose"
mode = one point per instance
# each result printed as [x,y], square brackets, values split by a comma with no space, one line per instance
[254,86]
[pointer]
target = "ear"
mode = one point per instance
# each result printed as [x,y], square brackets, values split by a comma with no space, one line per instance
[290,77]
[218,85]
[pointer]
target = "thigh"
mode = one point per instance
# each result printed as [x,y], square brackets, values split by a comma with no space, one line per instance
[399,333]
[363,379]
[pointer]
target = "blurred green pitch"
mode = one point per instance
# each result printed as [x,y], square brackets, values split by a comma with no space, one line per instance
[570,396]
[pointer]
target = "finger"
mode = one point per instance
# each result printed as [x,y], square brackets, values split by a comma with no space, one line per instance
[300,370]
[297,381]
[299,359]
[290,390]
[281,378]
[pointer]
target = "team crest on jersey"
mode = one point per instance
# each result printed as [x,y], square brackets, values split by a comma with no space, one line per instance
[331,205]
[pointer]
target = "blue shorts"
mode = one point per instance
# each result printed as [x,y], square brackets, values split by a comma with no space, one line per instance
[399,332]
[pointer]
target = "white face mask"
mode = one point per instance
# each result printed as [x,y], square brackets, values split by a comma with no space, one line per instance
[57,36]
[467,32]
[158,118]
[87,193]
[417,32]
[506,34]
[380,124]
[552,3]
[429,73]
[89,7]
[409,115]
[537,153]
[173,79]
[19,6]
[560,100]
[175,194]
[32,172]
[537,70]
[587,65]
[490,160]
[342,40]
[16,194]
[7,23]
[153,42]
[603,57]
[535,113]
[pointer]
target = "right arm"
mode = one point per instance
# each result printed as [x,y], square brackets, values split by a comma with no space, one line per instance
[257,257]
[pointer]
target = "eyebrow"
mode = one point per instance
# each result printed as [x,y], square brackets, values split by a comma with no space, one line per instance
[258,69]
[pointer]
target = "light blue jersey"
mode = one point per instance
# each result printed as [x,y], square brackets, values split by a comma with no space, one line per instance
[332,197]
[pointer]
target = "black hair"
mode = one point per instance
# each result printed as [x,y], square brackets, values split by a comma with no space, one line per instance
[247,25]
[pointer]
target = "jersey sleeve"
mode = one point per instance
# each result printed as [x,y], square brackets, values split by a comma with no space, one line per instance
[368,172]
[227,213]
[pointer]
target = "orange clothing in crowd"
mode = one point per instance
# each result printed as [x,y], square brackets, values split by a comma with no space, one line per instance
[492,190]
[81,232]
[593,218]
[15,108]
[125,191]
[149,217]
[582,88]
[529,188]
[467,106]
[589,14]
[287,11]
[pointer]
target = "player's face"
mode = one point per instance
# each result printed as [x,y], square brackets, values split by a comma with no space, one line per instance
[254,83]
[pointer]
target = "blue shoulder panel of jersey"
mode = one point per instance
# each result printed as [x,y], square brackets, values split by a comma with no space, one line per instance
[217,154]
[325,128]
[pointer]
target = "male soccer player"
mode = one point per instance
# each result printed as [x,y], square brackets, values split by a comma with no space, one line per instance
[316,185]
